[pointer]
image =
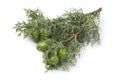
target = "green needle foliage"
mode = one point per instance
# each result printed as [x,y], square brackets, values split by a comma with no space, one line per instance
[61,39]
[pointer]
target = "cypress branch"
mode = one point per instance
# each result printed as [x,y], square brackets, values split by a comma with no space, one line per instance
[61,38]
[94,13]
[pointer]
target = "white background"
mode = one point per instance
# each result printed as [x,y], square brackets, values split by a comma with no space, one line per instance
[19,59]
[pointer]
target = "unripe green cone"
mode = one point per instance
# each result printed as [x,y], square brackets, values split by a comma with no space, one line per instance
[42,46]
[35,35]
[45,33]
[54,60]
[62,53]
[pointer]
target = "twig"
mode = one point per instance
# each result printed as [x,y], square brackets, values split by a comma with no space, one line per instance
[72,36]
[94,13]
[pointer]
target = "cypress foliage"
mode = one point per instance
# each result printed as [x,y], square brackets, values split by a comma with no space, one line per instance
[61,39]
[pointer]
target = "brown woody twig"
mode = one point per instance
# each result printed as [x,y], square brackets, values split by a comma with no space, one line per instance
[94,13]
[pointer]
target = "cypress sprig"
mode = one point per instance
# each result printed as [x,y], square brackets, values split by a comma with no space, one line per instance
[94,13]
[61,39]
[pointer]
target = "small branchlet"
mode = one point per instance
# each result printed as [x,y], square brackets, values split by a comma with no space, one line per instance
[94,13]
